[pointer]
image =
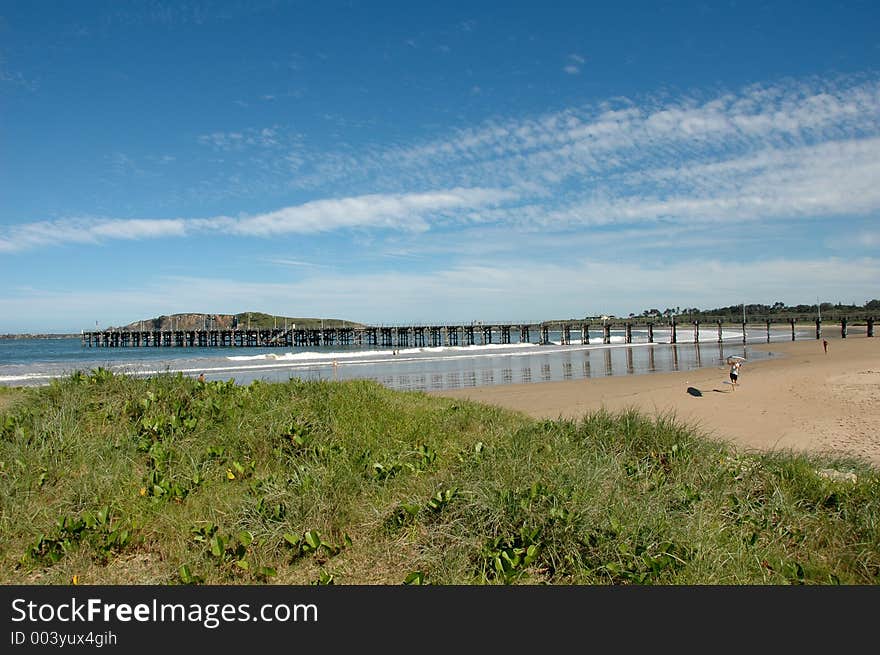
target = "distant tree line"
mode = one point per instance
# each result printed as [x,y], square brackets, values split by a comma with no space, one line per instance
[777,310]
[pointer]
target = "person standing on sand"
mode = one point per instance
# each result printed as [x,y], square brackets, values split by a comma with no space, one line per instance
[734,372]
[825,345]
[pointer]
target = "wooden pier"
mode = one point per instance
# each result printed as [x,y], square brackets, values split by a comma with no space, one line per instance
[431,335]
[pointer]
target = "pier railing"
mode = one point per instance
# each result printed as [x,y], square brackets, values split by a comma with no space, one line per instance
[449,335]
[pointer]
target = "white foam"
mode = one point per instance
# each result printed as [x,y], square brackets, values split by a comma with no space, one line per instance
[331,355]
[414,354]
[23,377]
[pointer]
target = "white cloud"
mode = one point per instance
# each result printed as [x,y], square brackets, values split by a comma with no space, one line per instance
[411,212]
[575,61]
[408,212]
[87,230]
[14,78]
[596,142]
[869,239]
[266,137]
[783,152]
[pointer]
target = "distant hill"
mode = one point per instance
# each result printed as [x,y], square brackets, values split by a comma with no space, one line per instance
[243,320]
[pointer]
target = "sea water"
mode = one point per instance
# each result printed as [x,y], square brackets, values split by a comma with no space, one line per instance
[25,362]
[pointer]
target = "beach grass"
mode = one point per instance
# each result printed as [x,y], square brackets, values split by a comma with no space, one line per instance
[111,479]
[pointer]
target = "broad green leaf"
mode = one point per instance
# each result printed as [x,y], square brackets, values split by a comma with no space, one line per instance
[414,578]
[313,539]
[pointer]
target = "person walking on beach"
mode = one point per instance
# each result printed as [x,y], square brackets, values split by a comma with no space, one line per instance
[825,345]
[734,372]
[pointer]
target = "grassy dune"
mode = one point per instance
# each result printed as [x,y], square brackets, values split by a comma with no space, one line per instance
[167,480]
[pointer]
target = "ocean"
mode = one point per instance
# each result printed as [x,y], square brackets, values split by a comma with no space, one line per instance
[28,362]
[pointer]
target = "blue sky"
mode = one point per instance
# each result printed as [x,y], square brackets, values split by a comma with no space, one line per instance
[409,162]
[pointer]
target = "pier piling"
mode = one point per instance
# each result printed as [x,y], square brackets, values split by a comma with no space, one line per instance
[420,336]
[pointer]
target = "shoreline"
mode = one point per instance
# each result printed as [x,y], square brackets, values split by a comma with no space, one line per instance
[801,399]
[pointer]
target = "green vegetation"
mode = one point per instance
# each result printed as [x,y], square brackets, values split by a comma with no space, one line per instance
[778,311]
[242,321]
[9,396]
[261,321]
[110,480]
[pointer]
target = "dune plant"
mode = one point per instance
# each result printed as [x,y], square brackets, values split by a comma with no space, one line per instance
[171,480]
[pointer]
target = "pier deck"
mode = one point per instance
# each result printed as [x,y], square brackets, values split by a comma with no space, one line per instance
[435,335]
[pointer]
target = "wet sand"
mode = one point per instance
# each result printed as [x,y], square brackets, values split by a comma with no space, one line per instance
[801,399]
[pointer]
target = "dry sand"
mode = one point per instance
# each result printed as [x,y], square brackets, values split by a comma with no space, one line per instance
[801,399]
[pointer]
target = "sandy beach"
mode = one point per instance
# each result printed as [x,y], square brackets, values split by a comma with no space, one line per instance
[801,399]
